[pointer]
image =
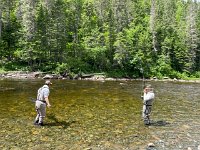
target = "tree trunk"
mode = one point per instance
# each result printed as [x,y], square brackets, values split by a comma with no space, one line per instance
[152,24]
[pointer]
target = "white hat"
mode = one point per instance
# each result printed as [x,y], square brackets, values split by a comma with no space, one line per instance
[48,82]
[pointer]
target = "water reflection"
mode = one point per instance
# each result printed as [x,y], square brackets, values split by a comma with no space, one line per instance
[100,115]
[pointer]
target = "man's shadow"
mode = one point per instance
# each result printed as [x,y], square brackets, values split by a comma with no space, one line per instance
[56,122]
[159,123]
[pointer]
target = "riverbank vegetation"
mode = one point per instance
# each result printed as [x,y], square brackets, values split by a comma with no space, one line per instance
[121,38]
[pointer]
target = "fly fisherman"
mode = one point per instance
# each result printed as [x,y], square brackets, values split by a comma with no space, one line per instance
[148,98]
[41,103]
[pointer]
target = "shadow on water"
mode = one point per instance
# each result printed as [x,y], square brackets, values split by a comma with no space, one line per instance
[159,123]
[56,122]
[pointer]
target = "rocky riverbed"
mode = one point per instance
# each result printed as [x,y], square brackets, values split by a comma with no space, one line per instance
[91,115]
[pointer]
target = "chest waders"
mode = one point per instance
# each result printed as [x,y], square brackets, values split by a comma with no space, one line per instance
[146,113]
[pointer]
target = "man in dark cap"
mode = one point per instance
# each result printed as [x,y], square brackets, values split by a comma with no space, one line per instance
[41,103]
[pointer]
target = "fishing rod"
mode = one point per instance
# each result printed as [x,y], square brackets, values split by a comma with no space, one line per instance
[143,78]
[142,72]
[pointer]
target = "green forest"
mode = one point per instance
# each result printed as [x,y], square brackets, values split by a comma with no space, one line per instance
[122,38]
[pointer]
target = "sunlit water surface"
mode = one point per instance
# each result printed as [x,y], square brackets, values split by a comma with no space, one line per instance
[100,116]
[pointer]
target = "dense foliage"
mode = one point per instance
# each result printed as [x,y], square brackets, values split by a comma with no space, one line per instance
[119,37]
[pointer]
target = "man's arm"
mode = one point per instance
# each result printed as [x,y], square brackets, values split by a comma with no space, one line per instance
[47,101]
[46,97]
[148,96]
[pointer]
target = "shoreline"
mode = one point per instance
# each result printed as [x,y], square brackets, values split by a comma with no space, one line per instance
[92,77]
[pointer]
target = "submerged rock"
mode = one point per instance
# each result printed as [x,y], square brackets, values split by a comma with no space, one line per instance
[198,147]
[151,145]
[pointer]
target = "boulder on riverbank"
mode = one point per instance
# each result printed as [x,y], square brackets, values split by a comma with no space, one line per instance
[93,77]
[21,75]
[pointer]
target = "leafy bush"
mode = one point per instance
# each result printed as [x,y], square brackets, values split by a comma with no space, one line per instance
[61,68]
[162,67]
[2,70]
[116,74]
[175,74]
[197,74]
[76,65]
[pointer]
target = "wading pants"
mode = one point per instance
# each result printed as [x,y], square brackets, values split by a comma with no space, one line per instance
[146,112]
[41,111]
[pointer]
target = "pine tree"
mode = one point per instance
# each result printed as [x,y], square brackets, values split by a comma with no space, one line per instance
[9,30]
[0,22]
[192,35]
[41,39]
[197,60]
[29,31]
[57,31]
[73,25]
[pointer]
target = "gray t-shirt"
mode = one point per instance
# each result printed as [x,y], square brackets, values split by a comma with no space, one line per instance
[43,92]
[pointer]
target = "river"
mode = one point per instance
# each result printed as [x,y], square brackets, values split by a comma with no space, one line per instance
[95,115]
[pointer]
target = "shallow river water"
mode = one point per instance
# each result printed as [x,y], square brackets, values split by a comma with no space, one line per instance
[93,115]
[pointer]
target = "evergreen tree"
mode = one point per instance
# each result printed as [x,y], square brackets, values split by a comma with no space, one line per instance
[197,60]
[57,31]
[93,40]
[9,32]
[0,22]
[161,37]
[29,32]
[192,35]
[73,26]
[42,43]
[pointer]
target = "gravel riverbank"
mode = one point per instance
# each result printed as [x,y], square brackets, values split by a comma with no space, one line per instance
[94,77]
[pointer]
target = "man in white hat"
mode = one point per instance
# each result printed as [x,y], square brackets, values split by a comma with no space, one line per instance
[41,103]
[148,98]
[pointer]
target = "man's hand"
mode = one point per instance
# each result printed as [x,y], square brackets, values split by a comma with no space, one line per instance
[47,101]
